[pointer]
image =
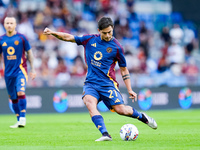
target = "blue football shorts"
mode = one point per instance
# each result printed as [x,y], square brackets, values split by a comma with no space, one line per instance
[109,94]
[15,84]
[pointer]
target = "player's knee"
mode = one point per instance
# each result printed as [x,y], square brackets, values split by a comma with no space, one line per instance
[20,93]
[88,103]
[120,110]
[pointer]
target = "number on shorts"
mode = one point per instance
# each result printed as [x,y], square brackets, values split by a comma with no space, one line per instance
[111,93]
[22,84]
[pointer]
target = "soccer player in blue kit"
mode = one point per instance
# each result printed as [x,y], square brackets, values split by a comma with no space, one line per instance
[14,47]
[102,52]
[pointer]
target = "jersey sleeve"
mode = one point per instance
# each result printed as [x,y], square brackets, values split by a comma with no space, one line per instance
[82,40]
[0,46]
[27,45]
[121,57]
[0,50]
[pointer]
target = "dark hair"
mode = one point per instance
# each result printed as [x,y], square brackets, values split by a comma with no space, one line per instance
[105,22]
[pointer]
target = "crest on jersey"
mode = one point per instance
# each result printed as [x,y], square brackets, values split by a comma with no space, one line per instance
[109,50]
[16,42]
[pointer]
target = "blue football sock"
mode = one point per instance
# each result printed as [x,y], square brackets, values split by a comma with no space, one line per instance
[22,105]
[136,114]
[15,106]
[99,123]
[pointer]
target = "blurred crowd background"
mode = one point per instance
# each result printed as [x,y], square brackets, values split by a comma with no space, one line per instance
[161,47]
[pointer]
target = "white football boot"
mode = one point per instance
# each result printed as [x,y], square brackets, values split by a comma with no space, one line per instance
[22,122]
[15,125]
[151,122]
[104,138]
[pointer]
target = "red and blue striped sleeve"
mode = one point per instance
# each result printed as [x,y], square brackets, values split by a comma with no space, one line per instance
[26,44]
[82,40]
[120,54]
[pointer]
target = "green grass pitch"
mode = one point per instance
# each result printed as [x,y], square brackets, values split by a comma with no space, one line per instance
[177,129]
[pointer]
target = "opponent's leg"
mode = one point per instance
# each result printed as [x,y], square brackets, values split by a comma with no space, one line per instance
[91,104]
[131,112]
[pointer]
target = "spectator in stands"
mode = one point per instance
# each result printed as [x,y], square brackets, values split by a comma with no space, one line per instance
[175,54]
[190,68]
[79,17]
[163,64]
[25,27]
[142,59]
[133,62]
[144,39]
[165,37]
[78,69]
[176,34]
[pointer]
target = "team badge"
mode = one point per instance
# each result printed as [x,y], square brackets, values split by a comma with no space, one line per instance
[16,42]
[109,50]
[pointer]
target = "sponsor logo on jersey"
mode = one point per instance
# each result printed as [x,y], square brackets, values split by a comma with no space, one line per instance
[98,55]
[117,100]
[11,51]
[99,127]
[4,44]
[94,45]
[96,63]
[11,57]
[109,50]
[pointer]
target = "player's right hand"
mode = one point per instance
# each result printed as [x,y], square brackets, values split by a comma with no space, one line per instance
[47,31]
[133,96]
[32,74]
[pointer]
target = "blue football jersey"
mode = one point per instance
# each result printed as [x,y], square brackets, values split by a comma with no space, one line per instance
[13,49]
[101,57]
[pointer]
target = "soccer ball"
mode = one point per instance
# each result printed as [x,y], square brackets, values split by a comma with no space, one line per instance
[129,132]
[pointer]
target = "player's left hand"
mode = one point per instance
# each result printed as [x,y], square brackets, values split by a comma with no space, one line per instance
[32,74]
[133,96]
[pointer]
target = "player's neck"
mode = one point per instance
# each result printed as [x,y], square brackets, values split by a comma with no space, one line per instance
[11,33]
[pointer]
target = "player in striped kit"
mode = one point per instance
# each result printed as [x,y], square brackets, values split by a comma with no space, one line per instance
[14,47]
[102,52]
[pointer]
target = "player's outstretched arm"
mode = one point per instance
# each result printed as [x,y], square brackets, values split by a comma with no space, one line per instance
[31,59]
[60,35]
[126,77]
